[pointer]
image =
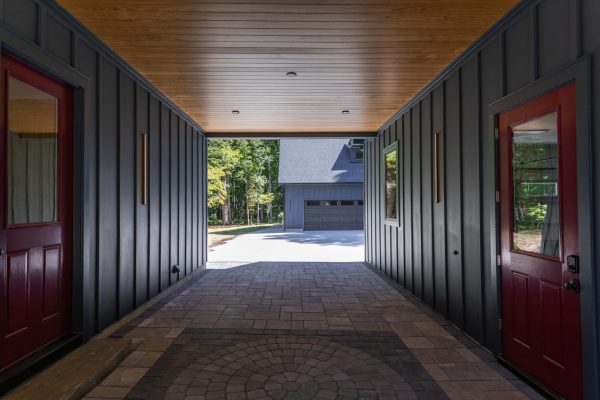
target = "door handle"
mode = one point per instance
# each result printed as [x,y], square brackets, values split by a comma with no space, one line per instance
[572,285]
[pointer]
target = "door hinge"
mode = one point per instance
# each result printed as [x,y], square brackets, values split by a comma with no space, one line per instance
[499,324]
[496,133]
[498,260]
[497,196]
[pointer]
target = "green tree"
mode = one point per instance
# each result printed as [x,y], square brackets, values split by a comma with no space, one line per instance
[243,180]
[223,156]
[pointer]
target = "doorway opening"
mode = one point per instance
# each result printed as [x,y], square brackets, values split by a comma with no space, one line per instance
[285,200]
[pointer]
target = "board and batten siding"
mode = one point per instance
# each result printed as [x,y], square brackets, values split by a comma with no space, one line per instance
[296,194]
[444,252]
[124,250]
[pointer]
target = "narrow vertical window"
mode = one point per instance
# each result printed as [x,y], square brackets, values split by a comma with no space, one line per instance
[391,182]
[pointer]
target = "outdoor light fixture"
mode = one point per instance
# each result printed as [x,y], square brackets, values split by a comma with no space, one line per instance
[235,112]
[345,112]
[291,74]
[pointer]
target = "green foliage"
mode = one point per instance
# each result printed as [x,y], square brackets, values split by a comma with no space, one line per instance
[534,183]
[216,187]
[243,180]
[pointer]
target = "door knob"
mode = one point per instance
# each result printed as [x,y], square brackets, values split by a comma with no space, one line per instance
[572,285]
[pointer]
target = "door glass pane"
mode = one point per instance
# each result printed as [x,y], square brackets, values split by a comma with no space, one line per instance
[32,155]
[536,224]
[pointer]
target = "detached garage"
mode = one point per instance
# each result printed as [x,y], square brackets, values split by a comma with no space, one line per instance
[323,183]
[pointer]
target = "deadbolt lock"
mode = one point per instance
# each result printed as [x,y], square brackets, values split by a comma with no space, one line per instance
[573,264]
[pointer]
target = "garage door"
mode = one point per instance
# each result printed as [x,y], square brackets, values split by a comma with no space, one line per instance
[322,215]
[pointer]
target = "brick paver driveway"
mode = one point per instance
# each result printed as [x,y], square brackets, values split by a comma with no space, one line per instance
[301,331]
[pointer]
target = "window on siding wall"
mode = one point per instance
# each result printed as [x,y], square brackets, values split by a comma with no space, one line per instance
[312,203]
[391,182]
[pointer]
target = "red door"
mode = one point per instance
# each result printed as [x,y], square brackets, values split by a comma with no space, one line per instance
[36,210]
[539,239]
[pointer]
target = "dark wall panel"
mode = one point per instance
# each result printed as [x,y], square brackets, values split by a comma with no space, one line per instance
[453,192]
[440,270]
[416,234]
[555,34]
[406,244]
[181,189]
[88,252]
[22,16]
[107,192]
[154,270]
[427,201]
[174,150]
[165,198]
[490,91]
[519,57]
[141,210]
[471,198]
[123,249]
[58,39]
[127,195]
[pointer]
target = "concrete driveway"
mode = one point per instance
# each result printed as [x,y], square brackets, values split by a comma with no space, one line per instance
[275,244]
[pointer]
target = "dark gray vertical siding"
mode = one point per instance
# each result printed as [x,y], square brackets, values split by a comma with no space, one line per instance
[427,201]
[165,198]
[174,222]
[127,195]
[590,44]
[188,199]
[88,272]
[141,210]
[440,269]
[471,198]
[181,176]
[405,246]
[490,88]
[416,234]
[123,256]
[107,192]
[518,54]
[453,194]
[540,38]
[153,132]
[554,34]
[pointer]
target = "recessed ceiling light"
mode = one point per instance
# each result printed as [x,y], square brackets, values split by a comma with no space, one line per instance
[291,74]
[235,112]
[345,112]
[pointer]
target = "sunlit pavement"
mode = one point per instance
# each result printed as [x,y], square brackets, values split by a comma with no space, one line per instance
[275,244]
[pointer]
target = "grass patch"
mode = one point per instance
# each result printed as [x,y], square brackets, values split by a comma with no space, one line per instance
[219,234]
[235,229]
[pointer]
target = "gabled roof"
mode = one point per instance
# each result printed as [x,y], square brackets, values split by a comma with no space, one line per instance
[317,161]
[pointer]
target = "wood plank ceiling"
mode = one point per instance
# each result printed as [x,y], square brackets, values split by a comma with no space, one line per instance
[212,57]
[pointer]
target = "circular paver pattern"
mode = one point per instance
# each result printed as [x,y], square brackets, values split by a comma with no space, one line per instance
[292,368]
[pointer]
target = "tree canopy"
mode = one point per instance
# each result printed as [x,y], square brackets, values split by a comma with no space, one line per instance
[243,181]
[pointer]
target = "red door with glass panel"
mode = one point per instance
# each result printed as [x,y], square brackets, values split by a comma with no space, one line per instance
[36,210]
[539,240]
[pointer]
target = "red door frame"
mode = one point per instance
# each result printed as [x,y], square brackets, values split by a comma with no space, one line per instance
[49,329]
[567,381]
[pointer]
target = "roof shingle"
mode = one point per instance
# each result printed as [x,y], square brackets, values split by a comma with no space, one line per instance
[317,161]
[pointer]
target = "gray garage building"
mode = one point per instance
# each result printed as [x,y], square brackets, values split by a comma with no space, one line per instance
[323,183]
